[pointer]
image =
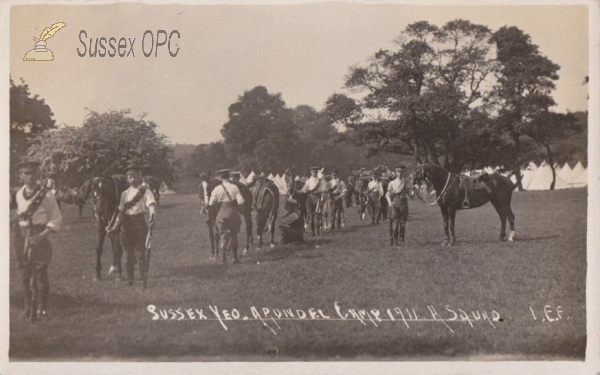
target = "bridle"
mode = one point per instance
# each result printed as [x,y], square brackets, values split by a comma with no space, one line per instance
[438,196]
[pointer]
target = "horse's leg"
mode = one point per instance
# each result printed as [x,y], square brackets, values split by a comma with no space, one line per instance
[452,215]
[248,220]
[117,250]
[273,230]
[502,214]
[101,234]
[211,235]
[445,217]
[511,220]
[80,211]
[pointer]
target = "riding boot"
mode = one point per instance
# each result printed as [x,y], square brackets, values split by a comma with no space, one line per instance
[402,228]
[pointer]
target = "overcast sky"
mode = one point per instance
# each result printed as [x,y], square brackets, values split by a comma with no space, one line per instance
[300,51]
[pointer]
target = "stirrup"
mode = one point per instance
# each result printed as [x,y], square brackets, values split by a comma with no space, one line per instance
[466,204]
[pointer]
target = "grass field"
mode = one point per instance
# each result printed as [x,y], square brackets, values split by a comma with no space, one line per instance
[509,283]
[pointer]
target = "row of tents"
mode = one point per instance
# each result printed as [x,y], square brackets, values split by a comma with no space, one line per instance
[540,177]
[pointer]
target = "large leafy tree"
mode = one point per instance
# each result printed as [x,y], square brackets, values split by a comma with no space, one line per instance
[419,98]
[522,95]
[107,143]
[261,133]
[29,117]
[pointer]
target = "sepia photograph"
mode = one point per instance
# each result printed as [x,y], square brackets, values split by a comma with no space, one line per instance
[304,187]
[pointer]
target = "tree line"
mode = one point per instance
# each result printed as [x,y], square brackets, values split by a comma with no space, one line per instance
[459,95]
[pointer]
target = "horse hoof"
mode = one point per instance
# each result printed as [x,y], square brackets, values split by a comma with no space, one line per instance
[245,252]
[445,243]
[272,245]
[511,239]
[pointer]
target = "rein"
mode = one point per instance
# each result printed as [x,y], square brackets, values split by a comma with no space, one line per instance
[446,186]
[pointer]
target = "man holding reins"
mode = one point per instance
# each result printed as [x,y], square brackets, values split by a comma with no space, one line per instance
[131,223]
[39,217]
[398,203]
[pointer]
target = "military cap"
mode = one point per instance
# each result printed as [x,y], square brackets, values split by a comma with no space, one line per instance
[235,173]
[133,170]
[223,173]
[28,163]
[328,178]
[401,167]
[314,168]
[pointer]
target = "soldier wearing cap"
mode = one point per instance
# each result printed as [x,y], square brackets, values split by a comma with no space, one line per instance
[228,219]
[131,223]
[375,191]
[337,190]
[39,216]
[313,189]
[396,196]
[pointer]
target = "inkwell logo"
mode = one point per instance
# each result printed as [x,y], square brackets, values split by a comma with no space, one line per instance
[40,52]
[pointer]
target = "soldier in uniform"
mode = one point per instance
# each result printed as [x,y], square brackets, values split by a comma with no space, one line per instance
[131,223]
[39,217]
[398,203]
[228,219]
[375,191]
[337,190]
[312,188]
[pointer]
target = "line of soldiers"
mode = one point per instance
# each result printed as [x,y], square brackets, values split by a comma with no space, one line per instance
[315,187]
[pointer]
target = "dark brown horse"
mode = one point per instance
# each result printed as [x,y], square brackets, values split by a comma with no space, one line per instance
[266,204]
[351,197]
[106,195]
[455,192]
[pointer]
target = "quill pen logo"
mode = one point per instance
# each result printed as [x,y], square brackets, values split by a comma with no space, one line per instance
[40,52]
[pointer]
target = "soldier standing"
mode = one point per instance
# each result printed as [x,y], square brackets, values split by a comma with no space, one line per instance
[375,191]
[133,230]
[396,196]
[337,189]
[38,216]
[312,188]
[228,219]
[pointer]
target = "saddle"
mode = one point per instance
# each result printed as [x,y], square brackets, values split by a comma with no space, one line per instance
[471,184]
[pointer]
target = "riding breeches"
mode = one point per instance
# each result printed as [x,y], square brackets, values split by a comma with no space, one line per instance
[374,205]
[133,234]
[228,227]
[313,209]
[399,216]
[41,255]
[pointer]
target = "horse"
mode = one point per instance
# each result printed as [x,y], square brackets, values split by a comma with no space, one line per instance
[154,185]
[72,196]
[294,191]
[455,192]
[266,204]
[106,194]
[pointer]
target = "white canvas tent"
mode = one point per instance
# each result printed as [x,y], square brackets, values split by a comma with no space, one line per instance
[542,179]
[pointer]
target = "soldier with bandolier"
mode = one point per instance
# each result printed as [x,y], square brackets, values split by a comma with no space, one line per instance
[39,217]
[131,223]
[228,219]
[396,197]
